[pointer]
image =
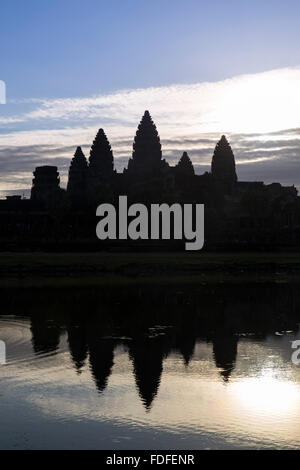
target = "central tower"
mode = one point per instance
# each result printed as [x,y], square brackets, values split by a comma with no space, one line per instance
[146,155]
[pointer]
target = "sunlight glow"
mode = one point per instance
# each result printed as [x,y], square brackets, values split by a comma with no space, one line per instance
[260,102]
[267,394]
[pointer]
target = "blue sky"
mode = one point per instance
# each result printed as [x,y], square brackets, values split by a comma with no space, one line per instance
[54,48]
[85,50]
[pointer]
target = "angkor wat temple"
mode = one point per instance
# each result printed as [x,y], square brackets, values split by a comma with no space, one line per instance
[238,214]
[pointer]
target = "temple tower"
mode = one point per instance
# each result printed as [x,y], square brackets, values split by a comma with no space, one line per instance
[101,161]
[77,176]
[223,163]
[45,184]
[185,167]
[146,155]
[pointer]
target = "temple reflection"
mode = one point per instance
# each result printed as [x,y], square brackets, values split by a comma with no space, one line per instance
[77,340]
[150,323]
[147,357]
[225,352]
[101,354]
[45,334]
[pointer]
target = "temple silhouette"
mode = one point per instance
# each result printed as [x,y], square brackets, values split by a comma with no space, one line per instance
[237,213]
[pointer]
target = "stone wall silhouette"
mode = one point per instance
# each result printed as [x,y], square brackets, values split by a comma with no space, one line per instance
[237,214]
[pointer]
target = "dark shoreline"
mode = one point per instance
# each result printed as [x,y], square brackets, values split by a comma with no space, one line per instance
[105,267]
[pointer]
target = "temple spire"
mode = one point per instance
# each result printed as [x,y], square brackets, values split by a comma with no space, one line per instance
[146,155]
[184,166]
[101,161]
[77,175]
[223,162]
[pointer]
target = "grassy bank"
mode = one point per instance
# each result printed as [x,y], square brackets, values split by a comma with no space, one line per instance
[106,267]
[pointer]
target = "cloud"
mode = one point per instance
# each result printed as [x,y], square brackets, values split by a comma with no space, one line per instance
[260,102]
[259,113]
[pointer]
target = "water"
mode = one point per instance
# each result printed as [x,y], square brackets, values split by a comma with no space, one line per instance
[199,367]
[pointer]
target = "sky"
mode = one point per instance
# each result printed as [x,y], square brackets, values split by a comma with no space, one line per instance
[201,68]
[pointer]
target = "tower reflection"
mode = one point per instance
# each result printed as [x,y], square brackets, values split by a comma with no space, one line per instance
[152,322]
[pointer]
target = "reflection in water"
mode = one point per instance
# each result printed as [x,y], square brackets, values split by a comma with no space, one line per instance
[267,394]
[204,359]
[101,360]
[45,334]
[77,344]
[147,357]
[225,351]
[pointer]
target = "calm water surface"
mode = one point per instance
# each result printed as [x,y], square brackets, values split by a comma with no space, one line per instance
[147,368]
